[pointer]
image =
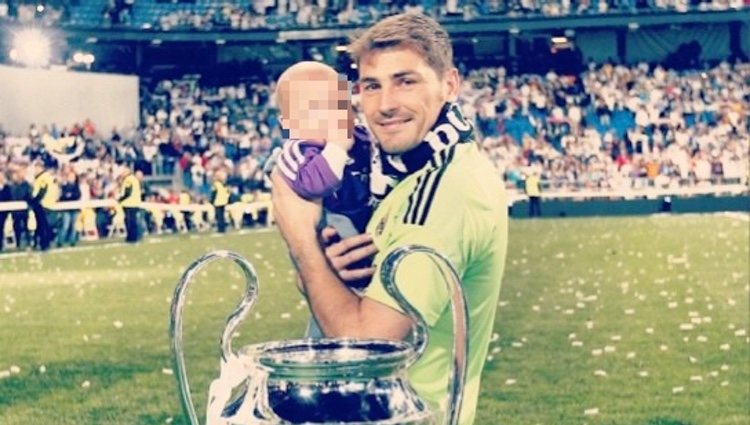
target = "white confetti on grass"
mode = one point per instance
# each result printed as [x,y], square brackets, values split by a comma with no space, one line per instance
[167,371]
[118,324]
[596,352]
[724,347]
[643,374]
[4,374]
[15,370]
[600,372]
[510,382]
[591,412]
[696,378]
[677,390]
[85,384]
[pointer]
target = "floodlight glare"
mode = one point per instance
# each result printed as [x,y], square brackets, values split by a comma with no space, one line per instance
[32,48]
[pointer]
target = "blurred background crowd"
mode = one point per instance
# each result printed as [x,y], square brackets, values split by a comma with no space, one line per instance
[609,127]
[209,15]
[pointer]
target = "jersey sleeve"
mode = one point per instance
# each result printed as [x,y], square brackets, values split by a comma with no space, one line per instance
[311,170]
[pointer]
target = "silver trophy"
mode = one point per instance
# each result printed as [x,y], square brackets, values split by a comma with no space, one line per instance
[340,381]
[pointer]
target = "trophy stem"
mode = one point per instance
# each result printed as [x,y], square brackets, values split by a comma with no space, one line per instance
[458,310]
[233,321]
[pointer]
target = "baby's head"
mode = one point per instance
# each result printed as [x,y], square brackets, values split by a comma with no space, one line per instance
[312,97]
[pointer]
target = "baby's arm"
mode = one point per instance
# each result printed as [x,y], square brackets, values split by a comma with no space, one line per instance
[313,171]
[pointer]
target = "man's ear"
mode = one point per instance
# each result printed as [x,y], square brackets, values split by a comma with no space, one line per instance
[452,84]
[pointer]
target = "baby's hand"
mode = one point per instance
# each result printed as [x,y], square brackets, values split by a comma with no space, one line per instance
[339,130]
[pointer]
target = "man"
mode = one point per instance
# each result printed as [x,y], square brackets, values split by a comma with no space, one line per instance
[130,201]
[448,198]
[70,191]
[4,197]
[533,190]
[220,199]
[44,195]
[20,190]
[187,216]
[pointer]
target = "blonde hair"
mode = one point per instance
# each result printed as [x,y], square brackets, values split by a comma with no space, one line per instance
[411,30]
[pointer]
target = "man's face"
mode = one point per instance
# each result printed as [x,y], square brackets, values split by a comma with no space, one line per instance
[401,96]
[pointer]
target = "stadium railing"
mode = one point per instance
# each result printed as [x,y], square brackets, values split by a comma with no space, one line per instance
[256,207]
[649,193]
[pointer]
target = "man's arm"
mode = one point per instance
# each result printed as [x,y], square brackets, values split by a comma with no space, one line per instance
[338,310]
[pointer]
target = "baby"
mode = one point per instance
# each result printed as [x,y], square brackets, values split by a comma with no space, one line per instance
[324,162]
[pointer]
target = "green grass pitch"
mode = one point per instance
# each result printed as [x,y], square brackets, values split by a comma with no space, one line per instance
[627,321]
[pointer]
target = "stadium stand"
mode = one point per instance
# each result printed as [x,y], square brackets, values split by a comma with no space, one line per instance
[237,15]
[599,130]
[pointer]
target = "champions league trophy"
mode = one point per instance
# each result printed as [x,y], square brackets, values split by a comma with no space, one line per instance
[340,381]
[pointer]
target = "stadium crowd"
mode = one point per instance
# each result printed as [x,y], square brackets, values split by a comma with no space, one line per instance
[614,127]
[212,15]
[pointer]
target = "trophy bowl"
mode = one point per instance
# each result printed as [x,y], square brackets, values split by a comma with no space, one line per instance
[338,381]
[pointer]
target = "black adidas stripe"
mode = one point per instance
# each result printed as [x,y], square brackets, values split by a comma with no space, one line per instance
[433,189]
[411,199]
[417,211]
[411,216]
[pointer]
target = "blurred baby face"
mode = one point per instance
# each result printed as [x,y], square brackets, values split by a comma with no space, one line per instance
[315,107]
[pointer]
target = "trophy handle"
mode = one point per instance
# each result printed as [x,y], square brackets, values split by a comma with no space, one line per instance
[420,335]
[233,321]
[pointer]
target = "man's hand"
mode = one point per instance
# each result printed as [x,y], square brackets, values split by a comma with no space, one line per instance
[341,253]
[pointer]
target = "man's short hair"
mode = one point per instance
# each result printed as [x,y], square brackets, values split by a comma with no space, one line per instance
[412,30]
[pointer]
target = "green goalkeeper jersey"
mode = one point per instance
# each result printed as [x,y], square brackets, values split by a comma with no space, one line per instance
[456,205]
